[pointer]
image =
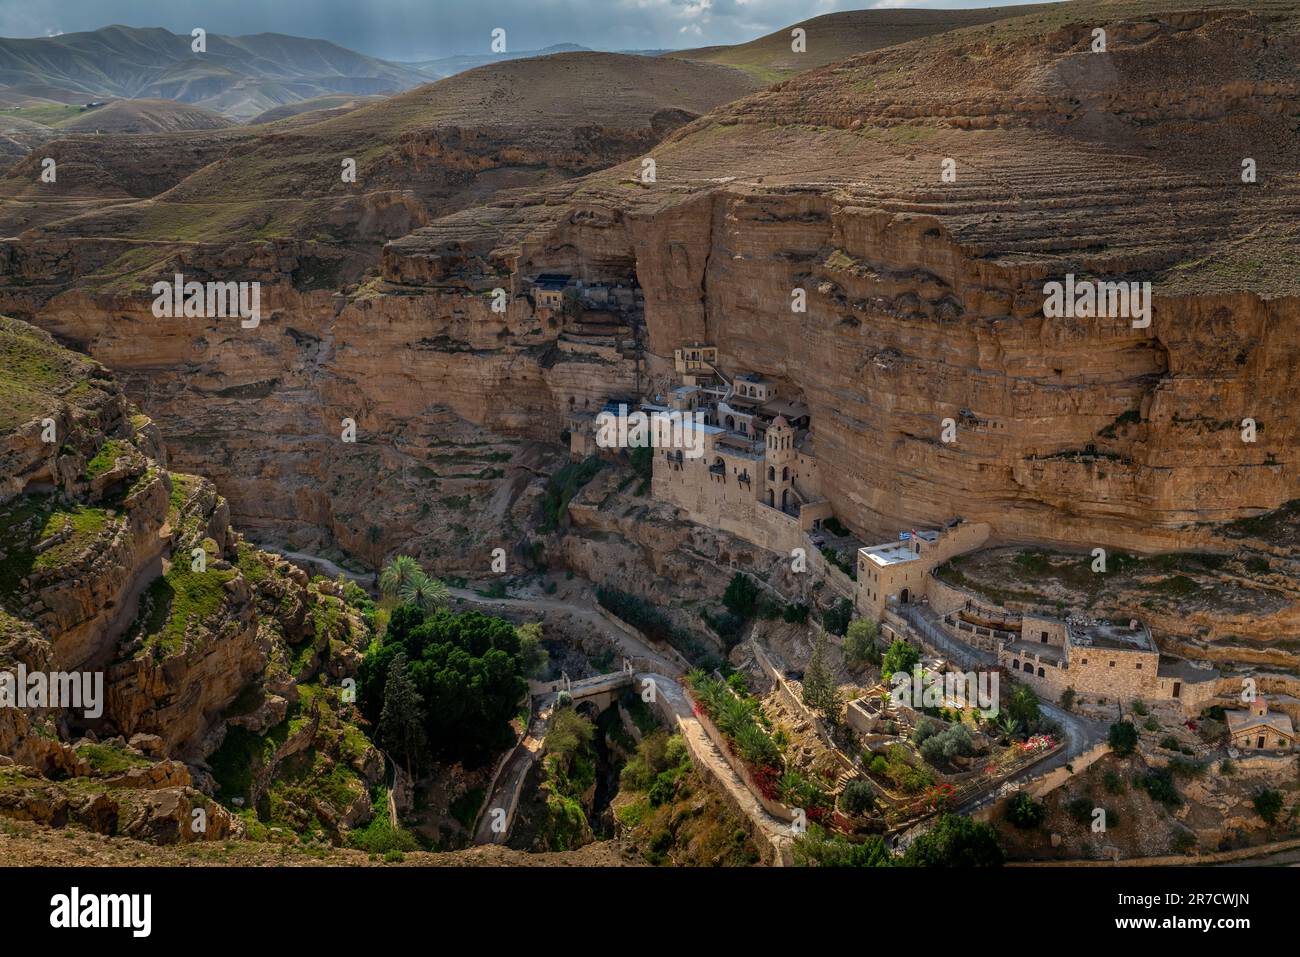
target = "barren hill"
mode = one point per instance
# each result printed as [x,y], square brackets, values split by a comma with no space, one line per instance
[237,76]
[320,108]
[146,116]
[441,146]
[837,36]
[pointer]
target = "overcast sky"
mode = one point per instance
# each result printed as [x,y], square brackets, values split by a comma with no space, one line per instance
[415,29]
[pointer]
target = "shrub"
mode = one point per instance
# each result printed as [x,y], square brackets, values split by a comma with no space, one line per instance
[926,727]
[1067,699]
[1025,812]
[1159,784]
[1151,724]
[952,742]
[836,619]
[819,848]
[955,842]
[1169,743]
[1081,810]
[1123,738]
[1185,768]
[561,488]
[741,596]
[1268,803]
[858,797]
[1113,783]
[795,614]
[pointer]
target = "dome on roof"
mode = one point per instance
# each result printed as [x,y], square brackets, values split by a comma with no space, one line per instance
[780,423]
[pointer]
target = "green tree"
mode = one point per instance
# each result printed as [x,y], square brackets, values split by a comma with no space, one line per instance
[819,690]
[401,723]
[569,733]
[955,842]
[1268,804]
[900,657]
[836,618]
[1024,707]
[860,643]
[396,574]
[468,669]
[741,596]
[1123,738]
[858,796]
[425,593]
[533,654]
[819,848]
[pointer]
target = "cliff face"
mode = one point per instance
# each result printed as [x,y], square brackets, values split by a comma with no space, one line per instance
[115,567]
[925,292]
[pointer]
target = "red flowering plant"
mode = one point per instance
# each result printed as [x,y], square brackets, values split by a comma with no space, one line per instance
[765,779]
[940,795]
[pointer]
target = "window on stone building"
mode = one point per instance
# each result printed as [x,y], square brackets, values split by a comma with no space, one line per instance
[1112,664]
[1139,666]
[1040,672]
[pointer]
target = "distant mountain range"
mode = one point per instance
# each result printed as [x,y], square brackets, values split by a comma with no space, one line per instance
[238,77]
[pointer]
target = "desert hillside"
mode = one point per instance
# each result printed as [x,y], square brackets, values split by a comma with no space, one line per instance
[837,36]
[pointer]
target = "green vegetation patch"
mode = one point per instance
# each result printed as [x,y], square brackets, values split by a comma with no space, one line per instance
[107,456]
[32,519]
[35,373]
[178,598]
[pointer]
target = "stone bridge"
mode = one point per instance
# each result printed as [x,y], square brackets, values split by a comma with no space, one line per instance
[601,690]
[497,815]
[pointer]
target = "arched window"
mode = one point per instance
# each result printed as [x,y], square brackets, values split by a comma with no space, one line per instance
[1015,663]
[785,473]
[771,473]
[1040,672]
[1029,667]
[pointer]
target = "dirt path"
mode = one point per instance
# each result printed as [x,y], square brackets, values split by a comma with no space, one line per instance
[510,782]
[630,643]
[331,569]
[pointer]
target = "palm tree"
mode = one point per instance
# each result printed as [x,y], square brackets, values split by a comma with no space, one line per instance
[423,592]
[1006,725]
[397,573]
